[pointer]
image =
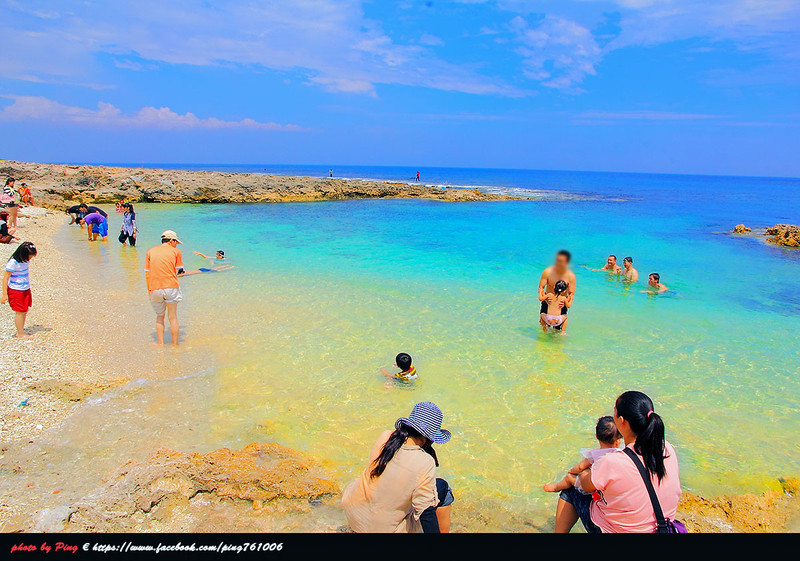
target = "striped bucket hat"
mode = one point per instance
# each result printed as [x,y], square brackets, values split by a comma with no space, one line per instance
[426,419]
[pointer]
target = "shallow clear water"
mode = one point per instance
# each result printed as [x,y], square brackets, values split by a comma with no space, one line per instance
[324,294]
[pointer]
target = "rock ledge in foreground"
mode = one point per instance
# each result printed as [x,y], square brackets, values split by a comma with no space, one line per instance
[222,491]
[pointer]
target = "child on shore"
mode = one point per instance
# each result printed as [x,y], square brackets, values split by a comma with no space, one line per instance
[17,285]
[608,436]
[408,373]
[556,301]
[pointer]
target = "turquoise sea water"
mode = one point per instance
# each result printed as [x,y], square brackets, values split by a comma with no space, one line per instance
[324,294]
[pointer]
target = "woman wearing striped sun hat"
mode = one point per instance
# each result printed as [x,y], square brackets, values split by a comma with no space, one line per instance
[399,491]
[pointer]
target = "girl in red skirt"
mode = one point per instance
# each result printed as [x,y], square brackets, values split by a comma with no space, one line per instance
[17,285]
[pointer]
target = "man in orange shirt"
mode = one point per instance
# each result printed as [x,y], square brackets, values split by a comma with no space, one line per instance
[162,266]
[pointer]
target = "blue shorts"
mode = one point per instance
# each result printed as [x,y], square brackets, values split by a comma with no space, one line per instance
[444,493]
[101,229]
[582,504]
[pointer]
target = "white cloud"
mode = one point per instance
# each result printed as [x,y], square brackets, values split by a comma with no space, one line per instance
[643,115]
[431,40]
[557,52]
[333,43]
[28,108]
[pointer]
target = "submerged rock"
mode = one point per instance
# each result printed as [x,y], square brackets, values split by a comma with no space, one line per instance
[222,491]
[740,229]
[772,511]
[787,235]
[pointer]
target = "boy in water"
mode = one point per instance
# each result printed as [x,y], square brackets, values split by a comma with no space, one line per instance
[654,284]
[608,436]
[556,301]
[218,259]
[408,373]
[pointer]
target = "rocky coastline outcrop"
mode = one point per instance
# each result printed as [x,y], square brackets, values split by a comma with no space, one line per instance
[58,186]
[787,235]
[262,487]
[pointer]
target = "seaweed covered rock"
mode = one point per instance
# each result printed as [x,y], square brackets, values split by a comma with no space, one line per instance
[787,235]
[222,491]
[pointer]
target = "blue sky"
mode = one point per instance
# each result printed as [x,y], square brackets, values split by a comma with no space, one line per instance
[677,86]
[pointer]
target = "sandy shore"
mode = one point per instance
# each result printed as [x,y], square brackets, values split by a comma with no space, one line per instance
[56,186]
[273,489]
[44,373]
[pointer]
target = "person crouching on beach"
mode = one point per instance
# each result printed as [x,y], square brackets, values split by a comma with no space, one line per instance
[162,266]
[556,303]
[398,491]
[96,226]
[6,233]
[608,436]
[408,373]
[17,285]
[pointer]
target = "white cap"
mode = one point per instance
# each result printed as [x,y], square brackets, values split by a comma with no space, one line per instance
[170,235]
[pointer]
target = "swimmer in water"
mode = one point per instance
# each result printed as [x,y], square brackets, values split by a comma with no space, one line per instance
[218,259]
[611,266]
[554,316]
[654,285]
[408,373]
[630,274]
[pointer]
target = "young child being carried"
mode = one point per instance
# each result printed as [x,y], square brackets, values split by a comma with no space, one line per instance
[408,373]
[608,436]
[556,304]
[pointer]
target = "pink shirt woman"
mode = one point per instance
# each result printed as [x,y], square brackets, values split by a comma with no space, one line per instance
[617,499]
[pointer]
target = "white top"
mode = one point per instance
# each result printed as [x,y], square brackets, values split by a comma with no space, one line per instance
[19,279]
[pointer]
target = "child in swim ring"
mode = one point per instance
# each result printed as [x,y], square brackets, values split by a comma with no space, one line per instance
[608,436]
[408,373]
[556,301]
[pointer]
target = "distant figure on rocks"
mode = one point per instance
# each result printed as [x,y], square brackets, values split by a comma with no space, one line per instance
[17,285]
[399,492]
[654,284]
[631,274]
[162,266]
[330,173]
[417,176]
[611,266]
[25,195]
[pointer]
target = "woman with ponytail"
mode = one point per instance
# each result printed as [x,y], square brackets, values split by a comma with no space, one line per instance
[619,500]
[399,491]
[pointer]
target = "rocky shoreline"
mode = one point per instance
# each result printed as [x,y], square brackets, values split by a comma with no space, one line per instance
[58,186]
[785,235]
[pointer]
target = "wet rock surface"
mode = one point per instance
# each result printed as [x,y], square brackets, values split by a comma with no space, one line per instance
[262,487]
[776,510]
[787,235]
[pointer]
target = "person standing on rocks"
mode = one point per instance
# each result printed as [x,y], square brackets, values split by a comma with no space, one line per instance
[162,266]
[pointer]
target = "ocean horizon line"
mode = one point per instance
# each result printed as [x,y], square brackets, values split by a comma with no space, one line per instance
[190,165]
